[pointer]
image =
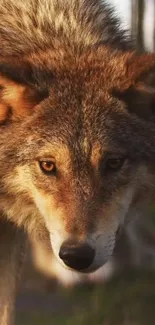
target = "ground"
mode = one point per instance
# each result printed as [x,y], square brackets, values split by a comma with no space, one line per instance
[127,299]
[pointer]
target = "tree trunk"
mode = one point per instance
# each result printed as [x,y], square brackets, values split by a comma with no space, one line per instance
[12,246]
[154,27]
[137,20]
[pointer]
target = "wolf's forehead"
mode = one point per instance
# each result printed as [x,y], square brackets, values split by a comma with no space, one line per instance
[64,151]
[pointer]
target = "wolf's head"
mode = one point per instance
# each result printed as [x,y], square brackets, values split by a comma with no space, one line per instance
[77,144]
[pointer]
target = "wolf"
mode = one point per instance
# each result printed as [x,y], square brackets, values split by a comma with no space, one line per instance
[77,135]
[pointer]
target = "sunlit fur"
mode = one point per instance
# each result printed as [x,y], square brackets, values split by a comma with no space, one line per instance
[72,89]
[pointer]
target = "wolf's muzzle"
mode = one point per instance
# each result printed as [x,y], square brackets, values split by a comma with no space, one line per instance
[78,256]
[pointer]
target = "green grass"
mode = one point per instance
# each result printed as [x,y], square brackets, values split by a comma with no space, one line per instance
[128,299]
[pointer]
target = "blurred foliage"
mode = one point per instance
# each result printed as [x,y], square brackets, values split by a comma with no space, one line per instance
[128,299]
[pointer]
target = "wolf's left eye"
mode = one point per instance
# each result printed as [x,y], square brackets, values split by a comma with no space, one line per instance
[47,166]
[114,163]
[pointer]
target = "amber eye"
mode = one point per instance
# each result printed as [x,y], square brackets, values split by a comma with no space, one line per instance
[115,163]
[47,166]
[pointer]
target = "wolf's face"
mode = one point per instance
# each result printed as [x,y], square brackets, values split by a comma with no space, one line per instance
[79,162]
[81,184]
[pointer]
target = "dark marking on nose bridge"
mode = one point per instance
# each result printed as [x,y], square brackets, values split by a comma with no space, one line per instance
[82,220]
[86,189]
[85,184]
[81,227]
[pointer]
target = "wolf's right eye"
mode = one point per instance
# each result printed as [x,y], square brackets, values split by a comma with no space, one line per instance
[48,166]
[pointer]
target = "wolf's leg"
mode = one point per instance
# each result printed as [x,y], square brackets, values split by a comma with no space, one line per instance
[12,247]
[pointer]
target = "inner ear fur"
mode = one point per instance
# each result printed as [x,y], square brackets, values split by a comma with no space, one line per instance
[18,94]
[15,99]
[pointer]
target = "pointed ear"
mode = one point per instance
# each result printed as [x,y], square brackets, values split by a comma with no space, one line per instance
[137,87]
[18,94]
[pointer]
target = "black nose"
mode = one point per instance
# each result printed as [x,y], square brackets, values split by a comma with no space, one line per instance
[78,256]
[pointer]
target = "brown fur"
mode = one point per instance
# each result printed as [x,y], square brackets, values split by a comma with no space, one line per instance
[74,91]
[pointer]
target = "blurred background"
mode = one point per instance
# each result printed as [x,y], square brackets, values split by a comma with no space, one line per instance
[139,17]
[123,291]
